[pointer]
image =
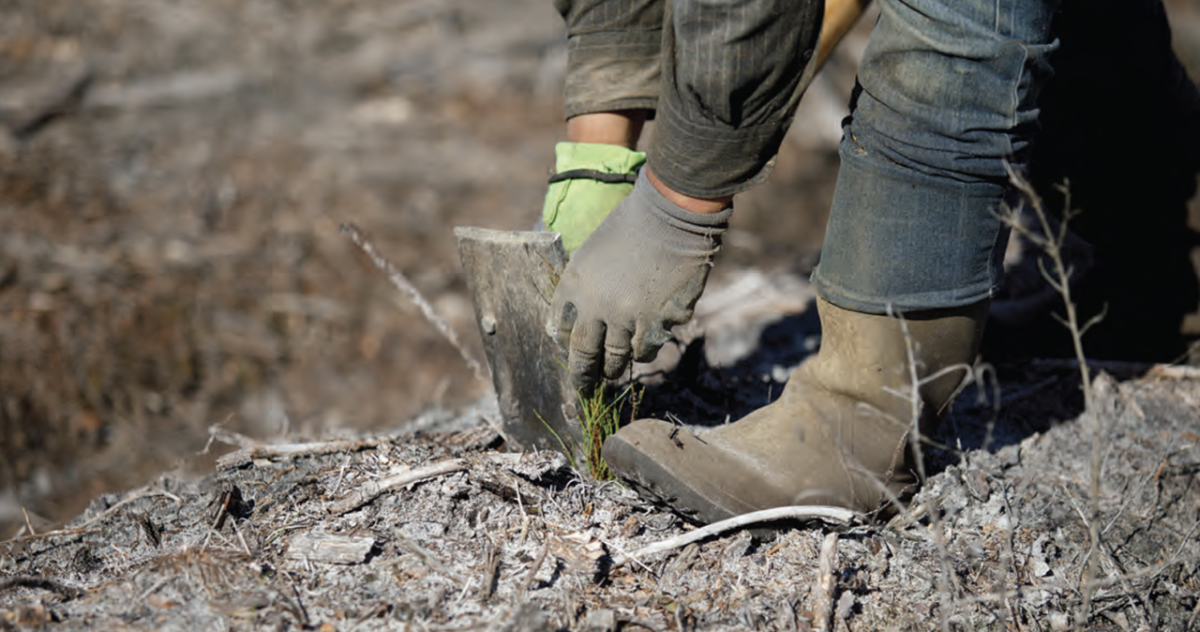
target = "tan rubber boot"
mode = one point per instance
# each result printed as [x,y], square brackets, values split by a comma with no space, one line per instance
[837,434]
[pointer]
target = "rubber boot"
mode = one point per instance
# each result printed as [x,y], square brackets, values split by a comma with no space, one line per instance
[838,435]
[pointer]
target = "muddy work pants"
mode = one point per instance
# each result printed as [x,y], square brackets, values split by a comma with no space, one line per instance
[947,94]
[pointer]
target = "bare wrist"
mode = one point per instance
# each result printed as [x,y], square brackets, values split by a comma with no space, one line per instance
[704,206]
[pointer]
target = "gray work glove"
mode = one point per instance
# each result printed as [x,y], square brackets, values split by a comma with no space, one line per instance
[639,274]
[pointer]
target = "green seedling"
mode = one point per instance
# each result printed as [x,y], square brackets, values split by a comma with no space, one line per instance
[600,418]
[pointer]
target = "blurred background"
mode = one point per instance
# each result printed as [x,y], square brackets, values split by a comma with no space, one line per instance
[172,178]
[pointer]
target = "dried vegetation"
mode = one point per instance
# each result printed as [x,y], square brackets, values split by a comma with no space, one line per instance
[281,536]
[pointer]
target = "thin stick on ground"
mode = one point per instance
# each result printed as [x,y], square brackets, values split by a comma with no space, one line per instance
[537,565]
[288,451]
[406,287]
[373,490]
[826,584]
[428,558]
[49,534]
[108,512]
[836,515]
[1052,240]
[945,578]
[28,524]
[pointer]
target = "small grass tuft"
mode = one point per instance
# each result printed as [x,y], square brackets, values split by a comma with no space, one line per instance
[600,417]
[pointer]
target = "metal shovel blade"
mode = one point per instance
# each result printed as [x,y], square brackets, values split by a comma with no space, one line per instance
[511,277]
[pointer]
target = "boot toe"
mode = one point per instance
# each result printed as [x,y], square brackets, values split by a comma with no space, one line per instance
[674,466]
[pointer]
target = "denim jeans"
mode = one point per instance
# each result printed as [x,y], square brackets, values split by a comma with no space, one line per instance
[947,95]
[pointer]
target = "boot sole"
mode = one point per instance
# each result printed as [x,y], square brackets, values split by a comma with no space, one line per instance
[636,462]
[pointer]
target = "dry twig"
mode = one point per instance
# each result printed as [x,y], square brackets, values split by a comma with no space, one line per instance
[537,564]
[228,437]
[1052,240]
[406,287]
[372,490]
[48,534]
[826,584]
[430,560]
[45,583]
[836,515]
[122,503]
[288,451]
[945,577]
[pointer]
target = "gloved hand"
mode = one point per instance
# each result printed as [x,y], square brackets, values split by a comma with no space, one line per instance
[589,180]
[639,274]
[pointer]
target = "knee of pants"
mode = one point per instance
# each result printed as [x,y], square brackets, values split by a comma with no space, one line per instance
[950,87]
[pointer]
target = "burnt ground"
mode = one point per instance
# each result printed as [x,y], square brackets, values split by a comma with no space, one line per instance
[998,539]
[172,176]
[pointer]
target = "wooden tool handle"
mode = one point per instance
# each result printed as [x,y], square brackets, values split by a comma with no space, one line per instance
[840,17]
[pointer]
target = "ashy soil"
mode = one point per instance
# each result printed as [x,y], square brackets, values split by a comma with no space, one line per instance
[174,287]
[300,537]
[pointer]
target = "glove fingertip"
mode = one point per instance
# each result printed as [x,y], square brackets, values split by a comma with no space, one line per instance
[614,365]
[648,341]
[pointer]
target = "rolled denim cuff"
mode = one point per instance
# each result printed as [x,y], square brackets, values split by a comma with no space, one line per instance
[947,102]
[609,71]
[905,241]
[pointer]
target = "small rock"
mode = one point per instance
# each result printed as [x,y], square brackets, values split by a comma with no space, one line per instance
[660,522]
[1010,455]
[845,605]
[330,549]
[738,546]
[535,465]
[977,483]
[1037,558]
[578,550]
[529,618]
[602,620]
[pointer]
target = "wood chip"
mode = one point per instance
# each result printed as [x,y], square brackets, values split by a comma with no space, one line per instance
[330,549]
[579,551]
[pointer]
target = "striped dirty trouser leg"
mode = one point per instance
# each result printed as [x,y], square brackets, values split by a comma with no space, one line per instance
[613,54]
[722,76]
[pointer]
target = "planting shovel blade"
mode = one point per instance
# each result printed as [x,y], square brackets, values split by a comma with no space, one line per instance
[511,277]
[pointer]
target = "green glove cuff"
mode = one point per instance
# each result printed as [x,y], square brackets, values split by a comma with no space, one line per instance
[575,206]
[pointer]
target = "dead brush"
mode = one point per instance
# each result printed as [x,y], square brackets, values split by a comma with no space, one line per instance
[1052,240]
